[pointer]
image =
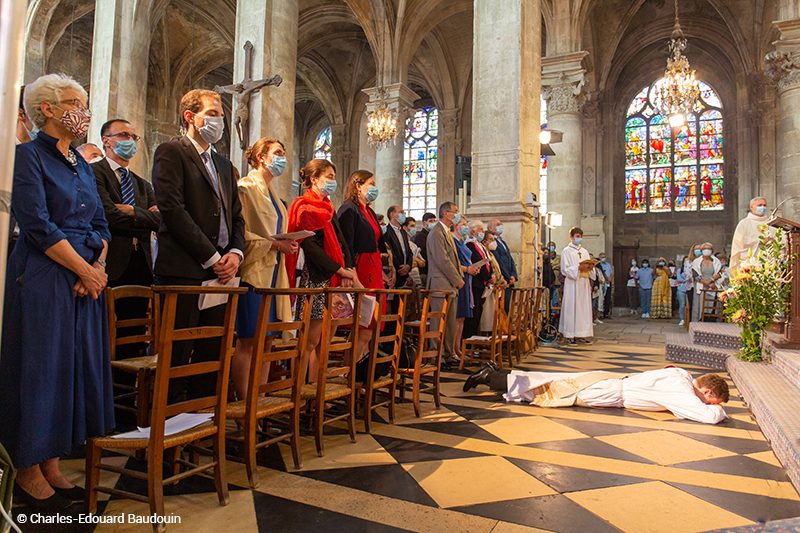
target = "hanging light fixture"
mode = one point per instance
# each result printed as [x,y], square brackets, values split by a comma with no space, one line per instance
[381,124]
[678,93]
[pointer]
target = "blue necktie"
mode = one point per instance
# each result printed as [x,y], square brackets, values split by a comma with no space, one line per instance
[126,186]
[222,241]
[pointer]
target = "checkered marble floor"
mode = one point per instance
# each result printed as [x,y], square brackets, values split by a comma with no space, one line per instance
[479,464]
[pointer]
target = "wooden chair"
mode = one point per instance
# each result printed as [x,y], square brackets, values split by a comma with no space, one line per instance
[478,346]
[516,310]
[281,392]
[335,379]
[428,356]
[372,385]
[711,309]
[133,398]
[535,300]
[158,442]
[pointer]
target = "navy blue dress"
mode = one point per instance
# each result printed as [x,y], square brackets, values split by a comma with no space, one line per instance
[55,372]
[464,308]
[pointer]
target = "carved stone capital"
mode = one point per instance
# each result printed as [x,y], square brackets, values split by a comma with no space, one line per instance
[783,68]
[563,98]
[563,78]
[398,97]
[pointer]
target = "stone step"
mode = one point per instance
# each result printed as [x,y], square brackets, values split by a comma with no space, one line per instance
[681,349]
[775,404]
[788,362]
[717,334]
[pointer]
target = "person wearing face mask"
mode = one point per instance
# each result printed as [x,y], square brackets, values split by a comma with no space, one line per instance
[201,236]
[661,297]
[26,132]
[465,303]
[607,283]
[555,262]
[576,308]
[55,371]
[633,287]
[504,257]
[481,280]
[90,152]
[497,280]
[748,231]
[706,273]
[645,279]
[410,227]
[397,243]
[328,261]
[694,253]
[445,272]
[264,264]
[421,240]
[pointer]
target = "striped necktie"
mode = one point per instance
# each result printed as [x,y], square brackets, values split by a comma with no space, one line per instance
[126,186]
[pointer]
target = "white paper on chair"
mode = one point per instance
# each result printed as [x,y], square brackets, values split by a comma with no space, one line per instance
[367,310]
[211,300]
[173,425]
[294,236]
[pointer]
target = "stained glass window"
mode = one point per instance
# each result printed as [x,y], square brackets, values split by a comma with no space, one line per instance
[322,145]
[674,168]
[420,158]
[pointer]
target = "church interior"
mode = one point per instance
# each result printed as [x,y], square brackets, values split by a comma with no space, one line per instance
[472,85]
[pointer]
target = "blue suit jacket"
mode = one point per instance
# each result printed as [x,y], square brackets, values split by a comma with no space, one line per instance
[504,259]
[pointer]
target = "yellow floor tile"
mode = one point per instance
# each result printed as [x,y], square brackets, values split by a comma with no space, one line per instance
[457,482]
[528,429]
[656,507]
[664,447]
[339,453]
[766,457]
[404,414]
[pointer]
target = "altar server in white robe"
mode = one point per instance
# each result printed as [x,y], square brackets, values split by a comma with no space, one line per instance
[576,306]
[667,389]
[748,231]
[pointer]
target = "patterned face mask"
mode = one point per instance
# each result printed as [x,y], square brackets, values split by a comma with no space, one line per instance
[76,121]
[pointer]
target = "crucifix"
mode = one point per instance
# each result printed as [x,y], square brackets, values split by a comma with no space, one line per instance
[242,92]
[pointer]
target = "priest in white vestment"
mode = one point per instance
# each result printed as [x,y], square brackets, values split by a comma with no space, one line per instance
[667,389]
[576,305]
[748,231]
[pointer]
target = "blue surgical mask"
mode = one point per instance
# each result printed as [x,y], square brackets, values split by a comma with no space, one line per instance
[33,132]
[645,264]
[126,149]
[552,248]
[212,129]
[698,253]
[372,194]
[578,240]
[401,218]
[481,235]
[329,188]
[661,263]
[761,210]
[277,166]
[412,231]
[499,229]
[456,218]
[464,232]
[383,228]
[602,259]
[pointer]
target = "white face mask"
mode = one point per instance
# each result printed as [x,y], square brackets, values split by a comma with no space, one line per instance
[707,252]
[212,129]
[492,246]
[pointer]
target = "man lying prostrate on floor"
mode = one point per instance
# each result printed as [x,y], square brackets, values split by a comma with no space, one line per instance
[668,389]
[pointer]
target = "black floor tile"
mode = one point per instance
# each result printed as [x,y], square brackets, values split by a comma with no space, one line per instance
[286,516]
[732,444]
[556,513]
[591,447]
[750,506]
[387,480]
[738,465]
[461,429]
[406,451]
[476,413]
[568,479]
[599,429]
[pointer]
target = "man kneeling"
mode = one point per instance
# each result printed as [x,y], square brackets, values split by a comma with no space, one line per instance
[668,389]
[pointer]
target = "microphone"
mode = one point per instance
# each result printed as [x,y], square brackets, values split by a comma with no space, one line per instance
[772,215]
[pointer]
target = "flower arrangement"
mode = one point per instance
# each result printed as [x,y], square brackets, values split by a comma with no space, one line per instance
[759,292]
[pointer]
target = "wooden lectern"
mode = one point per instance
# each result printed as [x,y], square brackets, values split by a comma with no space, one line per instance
[791,334]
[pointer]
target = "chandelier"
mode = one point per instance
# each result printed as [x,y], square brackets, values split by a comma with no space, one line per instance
[381,124]
[678,93]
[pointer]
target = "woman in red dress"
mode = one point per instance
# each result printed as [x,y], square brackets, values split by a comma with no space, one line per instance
[362,233]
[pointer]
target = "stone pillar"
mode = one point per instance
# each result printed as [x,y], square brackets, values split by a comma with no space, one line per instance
[449,145]
[341,156]
[272,28]
[389,159]
[562,82]
[506,74]
[119,70]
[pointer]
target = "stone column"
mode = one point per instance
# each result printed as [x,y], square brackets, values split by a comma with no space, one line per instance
[562,81]
[449,144]
[389,159]
[119,70]
[341,156]
[506,74]
[272,28]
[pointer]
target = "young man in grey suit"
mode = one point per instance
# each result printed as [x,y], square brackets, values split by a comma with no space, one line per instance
[444,270]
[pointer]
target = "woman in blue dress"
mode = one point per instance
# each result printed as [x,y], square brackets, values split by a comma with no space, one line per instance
[465,303]
[264,264]
[55,372]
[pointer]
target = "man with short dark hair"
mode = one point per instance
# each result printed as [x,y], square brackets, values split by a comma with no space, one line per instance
[397,242]
[421,240]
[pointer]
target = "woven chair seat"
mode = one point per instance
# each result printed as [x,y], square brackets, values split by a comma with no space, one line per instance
[385,381]
[134,364]
[267,405]
[170,441]
[309,391]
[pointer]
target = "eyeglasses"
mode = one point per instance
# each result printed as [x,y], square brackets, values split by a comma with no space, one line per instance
[74,102]
[125,135]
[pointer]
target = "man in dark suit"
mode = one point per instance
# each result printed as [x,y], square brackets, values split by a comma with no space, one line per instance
[421,240]
[504,258]
[202,229]
[398,244]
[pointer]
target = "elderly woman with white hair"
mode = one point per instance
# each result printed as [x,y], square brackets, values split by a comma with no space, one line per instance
[748,232]
[481,280]
[706,271]
[55,373]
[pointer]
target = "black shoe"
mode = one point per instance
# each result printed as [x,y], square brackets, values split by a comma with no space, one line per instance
[481,377]
[52,505]
[74,494]
[494,365]
[452,361]
[586,340]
